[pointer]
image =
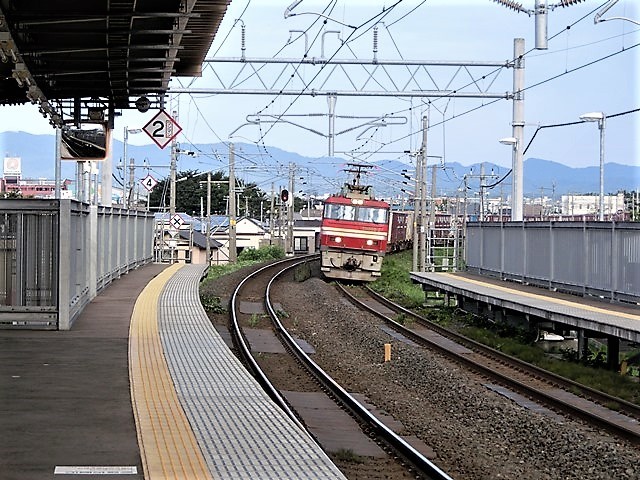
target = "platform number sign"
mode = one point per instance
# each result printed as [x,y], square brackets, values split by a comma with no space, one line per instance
[149,182]
[162,128]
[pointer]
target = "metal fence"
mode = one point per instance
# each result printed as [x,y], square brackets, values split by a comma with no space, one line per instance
[586,258]
[56,255]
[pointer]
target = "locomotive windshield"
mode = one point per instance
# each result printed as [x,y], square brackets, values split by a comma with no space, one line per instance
[361,214]
[372,215]
[339,212]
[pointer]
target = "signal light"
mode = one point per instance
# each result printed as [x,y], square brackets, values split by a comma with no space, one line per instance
[284,195]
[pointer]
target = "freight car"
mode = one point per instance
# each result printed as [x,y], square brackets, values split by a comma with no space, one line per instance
[400,230]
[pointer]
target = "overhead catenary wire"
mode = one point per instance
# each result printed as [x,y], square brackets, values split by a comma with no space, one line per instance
[446,120]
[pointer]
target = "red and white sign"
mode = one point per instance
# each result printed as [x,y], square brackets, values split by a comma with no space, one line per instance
[149,182]
[162,128]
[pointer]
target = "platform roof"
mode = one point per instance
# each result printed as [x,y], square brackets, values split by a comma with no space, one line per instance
[117,50]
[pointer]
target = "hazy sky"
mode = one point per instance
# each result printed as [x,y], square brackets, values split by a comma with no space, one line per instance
[573,76]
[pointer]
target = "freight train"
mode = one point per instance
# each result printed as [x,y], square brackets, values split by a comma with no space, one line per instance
[357,231]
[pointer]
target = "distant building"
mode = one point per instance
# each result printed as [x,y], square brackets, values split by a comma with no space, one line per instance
[13,183]
[573,205]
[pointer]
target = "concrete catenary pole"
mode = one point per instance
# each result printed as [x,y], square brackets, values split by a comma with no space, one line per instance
[518,130]
[423,196]
[271,214]
[232,206]
[208,229]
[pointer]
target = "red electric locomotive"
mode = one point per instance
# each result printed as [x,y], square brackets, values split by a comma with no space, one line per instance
[353,234]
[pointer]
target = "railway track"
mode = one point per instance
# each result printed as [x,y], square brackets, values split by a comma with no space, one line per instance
[535,383]
[247,329]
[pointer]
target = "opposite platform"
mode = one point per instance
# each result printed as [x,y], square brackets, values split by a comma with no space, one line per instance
[615,319]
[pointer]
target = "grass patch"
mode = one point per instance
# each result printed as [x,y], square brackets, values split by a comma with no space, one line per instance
[395,284]
[211,303]
[248,257]
[404,320]
[302,272]
[347,456]
[597,378]
[254,320]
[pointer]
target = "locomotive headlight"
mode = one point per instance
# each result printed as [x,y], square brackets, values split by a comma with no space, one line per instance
[369,242]
[337,239]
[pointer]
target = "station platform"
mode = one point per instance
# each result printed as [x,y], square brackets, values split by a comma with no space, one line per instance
[583,313]
[142,386]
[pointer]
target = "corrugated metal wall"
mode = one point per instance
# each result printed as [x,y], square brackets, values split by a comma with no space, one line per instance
[592,258]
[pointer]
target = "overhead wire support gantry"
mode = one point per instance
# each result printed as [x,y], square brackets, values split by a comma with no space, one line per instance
[254,66]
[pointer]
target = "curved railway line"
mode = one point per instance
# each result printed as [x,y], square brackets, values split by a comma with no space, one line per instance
[256,288]
[533,382]
[467,430]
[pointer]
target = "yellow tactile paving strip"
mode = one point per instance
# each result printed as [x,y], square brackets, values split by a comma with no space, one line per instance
[557,301]
[168,447]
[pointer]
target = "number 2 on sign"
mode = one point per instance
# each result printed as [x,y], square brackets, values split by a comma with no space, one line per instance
[159,131]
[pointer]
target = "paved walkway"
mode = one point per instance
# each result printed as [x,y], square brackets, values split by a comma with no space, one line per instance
[142,387]
[64,395]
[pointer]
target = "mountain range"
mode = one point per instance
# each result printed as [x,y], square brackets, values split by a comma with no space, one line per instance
[267,165]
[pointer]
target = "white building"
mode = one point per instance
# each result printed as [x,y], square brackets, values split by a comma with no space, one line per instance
[589,204]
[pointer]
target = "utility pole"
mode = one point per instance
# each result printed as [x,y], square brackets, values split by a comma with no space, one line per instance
[208,232]
[290,206]
[464,219]
[172,173]
[280,219]
[124,166]
[271,211]
[423,195]
[432,216]
[482,177]
[232,206]
[132,171]
[417,224]
[456,238]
